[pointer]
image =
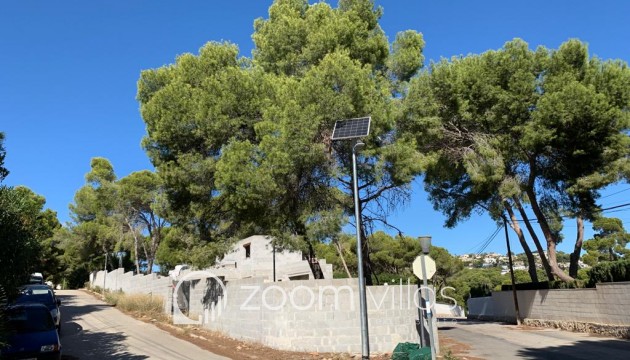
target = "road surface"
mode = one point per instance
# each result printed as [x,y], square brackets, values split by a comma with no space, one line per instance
[490,340]
[93,330]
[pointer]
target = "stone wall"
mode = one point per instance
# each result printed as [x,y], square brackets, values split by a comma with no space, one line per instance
[606,304]
[304,315]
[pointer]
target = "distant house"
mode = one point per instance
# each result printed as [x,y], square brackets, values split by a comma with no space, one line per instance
[254,257]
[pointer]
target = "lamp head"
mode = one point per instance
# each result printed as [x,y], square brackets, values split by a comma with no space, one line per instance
[358,146]
[425,243]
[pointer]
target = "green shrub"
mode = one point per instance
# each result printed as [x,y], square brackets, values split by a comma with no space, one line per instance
[610,271]
[559,284]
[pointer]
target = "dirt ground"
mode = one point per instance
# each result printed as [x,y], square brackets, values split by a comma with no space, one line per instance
[235,349]
[452,349]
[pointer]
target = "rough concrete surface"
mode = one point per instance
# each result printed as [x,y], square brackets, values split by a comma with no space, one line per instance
[490,340]
[93,330]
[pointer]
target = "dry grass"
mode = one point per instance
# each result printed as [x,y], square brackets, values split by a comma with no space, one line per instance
[143,305]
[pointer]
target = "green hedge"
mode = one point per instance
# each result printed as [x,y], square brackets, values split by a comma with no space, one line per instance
[612,271]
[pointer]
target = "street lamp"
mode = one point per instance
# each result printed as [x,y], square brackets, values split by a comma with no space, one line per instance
[365,345]
[355,129]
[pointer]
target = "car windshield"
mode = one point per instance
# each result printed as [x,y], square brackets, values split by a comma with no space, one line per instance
[26,320]
[43,296]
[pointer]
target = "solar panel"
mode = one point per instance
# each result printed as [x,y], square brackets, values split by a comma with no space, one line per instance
[351,128]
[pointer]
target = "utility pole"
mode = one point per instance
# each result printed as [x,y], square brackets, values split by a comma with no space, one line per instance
[507,239]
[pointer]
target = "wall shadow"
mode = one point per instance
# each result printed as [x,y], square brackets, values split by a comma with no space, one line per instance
[609,349]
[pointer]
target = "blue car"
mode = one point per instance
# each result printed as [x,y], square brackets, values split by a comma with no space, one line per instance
[44,295]
[32,333]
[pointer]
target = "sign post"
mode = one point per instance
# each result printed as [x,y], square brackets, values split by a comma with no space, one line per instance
[424,267]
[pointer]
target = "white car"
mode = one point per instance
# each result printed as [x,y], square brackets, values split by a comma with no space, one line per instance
[174,274]
[36,278]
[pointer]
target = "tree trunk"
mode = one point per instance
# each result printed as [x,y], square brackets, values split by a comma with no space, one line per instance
[532,233]
[367,268]
[152,251]
[343,260]
[111,262]
[135,246]
[531,262]
[544,226]
[146,253]
[575,255]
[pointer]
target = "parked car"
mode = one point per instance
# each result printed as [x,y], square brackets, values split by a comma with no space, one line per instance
[32,333]
[174,274]
[44,295]
[36,278]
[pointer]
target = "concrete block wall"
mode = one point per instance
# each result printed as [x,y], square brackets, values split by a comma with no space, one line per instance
[306,315]
[129,283]
[258,261]
[316,315]
[608,304]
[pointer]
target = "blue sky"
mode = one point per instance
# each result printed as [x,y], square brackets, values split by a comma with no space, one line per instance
[68,73]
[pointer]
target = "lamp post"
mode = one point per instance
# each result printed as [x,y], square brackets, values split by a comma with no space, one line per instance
[365,345]
[355,129]
[425,243]
[273,244]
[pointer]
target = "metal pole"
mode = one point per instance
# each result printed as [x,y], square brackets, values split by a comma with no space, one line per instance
[365,344]
[507,239]
[105,270]
[429,304]
[273,243]
[423,342]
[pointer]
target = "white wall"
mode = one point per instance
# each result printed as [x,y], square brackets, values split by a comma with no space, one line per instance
[281,315]
[608,303]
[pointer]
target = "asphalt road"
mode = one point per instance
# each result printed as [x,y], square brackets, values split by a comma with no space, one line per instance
[500,341]
[91,329]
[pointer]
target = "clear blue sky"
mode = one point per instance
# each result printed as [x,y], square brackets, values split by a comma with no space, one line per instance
[68,72]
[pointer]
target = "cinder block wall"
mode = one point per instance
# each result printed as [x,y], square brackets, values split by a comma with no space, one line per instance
[118,280]
[316,315]
[608,304]
[308,315]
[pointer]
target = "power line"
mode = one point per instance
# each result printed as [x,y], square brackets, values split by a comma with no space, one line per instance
[480,245]
[601,210]
[487,243]
[615,193]
[615,207]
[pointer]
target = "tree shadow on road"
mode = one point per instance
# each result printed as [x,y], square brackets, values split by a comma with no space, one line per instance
[93,345]
[71,311]
[584,349]
[97,346]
